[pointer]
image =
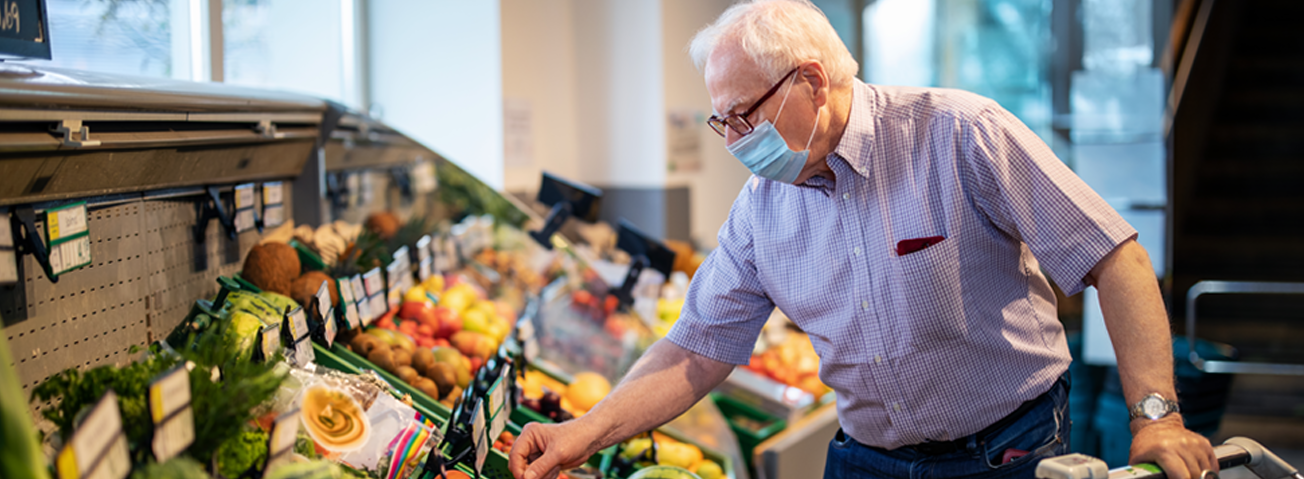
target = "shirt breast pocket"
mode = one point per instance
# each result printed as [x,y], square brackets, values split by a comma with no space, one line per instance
[928,294]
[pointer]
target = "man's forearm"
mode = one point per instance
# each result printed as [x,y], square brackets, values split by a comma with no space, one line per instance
[664,383]
[1137,322]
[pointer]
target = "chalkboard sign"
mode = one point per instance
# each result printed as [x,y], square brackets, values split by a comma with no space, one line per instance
[24,29]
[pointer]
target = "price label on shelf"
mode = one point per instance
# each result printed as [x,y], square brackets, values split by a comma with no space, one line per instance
[244,196]
[65,222]
[274,215]
[169,404]
[348,302]
[297,323]
[244,220]
[377,306]
[364,311]
[394,275]
[425,269]
[270,339]
[479,436]
[303,352]
[280,444]
[498,404]
[272,193]
[374,282]
[68,240]
[98,448]
[359,292]
[326,313]
[423,249]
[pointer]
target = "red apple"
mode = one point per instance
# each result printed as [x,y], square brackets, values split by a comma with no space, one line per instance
[447,322]
[417,310]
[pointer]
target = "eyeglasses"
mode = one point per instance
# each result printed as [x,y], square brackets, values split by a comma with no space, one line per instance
[739,123]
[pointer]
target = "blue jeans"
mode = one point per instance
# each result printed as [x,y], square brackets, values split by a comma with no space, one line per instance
[1042,429]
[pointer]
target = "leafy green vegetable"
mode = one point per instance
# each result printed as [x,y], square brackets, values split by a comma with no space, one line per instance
[222,407]
[239,453]
[464,194]
[77,390]
[180,467]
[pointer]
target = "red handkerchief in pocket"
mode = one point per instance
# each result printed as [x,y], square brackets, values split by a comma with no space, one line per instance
[905,247]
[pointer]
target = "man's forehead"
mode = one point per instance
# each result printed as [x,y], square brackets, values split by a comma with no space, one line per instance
[733,79]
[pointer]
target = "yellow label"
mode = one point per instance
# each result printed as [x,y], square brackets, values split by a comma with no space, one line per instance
[52,221]
[156,402]
[66,464]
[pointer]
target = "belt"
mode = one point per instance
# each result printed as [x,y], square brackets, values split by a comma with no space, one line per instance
[934,448]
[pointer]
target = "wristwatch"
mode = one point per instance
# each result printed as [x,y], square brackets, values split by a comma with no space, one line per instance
[1152,407]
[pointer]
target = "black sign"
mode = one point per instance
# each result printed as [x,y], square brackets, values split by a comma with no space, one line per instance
[24,29]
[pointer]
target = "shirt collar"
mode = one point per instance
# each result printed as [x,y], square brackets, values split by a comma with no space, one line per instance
[857,140]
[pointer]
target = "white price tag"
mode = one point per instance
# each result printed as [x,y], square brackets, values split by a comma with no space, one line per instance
[272,194]
[169,402]
[273,215]
[98,448]
[271,340]
[425,269]
[244,196]
[364,311]
[244,220]
[348,303]
[70,254]
[65,222]
[298,323]
[359,292]
[281,442]
[479,436]
[423,249]
[378,307]
[374,282]
[395,279]
[303,352]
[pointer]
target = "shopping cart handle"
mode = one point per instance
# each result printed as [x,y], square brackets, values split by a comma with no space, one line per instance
[1237,451]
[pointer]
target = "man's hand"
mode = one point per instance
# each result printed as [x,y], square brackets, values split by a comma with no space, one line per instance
[1178,451]
[545,450]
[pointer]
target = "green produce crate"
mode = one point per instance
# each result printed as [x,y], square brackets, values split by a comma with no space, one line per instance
[308,259]
[748,438]
[340,358]
[245,284]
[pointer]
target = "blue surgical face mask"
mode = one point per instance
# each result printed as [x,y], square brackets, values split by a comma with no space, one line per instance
[766,153]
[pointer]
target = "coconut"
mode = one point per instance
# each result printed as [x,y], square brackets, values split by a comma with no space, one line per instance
[272,267]
[304,288]
[384,224]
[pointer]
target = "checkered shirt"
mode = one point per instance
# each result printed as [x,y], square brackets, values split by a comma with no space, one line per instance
[937,343]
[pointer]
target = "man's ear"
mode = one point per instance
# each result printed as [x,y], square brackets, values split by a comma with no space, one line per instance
[813,72]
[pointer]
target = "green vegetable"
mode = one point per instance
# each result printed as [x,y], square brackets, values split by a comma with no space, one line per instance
[239,453]
[306,470]
[303,446]
[179,467]
[223,407]
[464,194]
[78,390]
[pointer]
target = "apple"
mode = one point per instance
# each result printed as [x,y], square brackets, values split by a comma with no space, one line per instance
[418,310]
[474,345]
[447,322]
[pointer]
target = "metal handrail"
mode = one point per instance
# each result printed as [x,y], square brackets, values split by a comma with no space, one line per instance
[1187,63]
[1236,287]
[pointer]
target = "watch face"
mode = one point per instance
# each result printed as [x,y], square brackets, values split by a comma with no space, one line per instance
[1153,407]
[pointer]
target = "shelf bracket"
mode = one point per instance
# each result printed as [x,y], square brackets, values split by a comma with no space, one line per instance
[211,207]
[24,220]
[75,134]
[268,129]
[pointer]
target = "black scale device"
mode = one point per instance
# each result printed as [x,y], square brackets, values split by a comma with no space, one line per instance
[567,199]
[644,252]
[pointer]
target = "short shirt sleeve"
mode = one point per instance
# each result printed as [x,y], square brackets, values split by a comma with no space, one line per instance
[1027,192]
[726,305]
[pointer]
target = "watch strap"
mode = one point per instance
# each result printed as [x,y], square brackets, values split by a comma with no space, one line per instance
[1138,410]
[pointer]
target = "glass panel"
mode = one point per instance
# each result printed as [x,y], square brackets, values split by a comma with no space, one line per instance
[133,37]
[294,45]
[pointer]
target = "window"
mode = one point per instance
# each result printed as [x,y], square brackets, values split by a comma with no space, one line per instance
[305,46]
[133,37]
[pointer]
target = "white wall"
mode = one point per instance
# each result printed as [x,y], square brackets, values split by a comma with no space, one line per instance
[436,75]
[713,188]
[539,68]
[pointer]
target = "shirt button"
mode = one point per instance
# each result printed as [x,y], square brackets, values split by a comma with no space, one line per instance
[857,250]
[846,196]
[878,359]
[864,170]
[896,406]
[864,305]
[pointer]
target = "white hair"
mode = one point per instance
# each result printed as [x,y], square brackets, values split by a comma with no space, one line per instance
[778,35]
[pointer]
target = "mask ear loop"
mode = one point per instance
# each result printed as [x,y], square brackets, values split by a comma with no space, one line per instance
[785,97]
[814,127]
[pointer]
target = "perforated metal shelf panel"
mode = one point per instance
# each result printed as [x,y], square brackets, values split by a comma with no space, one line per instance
[146,271]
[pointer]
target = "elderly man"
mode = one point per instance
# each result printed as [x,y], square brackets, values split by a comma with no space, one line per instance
[906,230]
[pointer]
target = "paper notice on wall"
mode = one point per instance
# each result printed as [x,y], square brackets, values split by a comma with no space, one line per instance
[518,138]
[684,140]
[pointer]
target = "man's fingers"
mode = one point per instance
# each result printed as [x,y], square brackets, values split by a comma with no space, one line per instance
[545,467]
[1174,466]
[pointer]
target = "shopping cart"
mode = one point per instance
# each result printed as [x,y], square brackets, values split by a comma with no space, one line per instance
[1236,452]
